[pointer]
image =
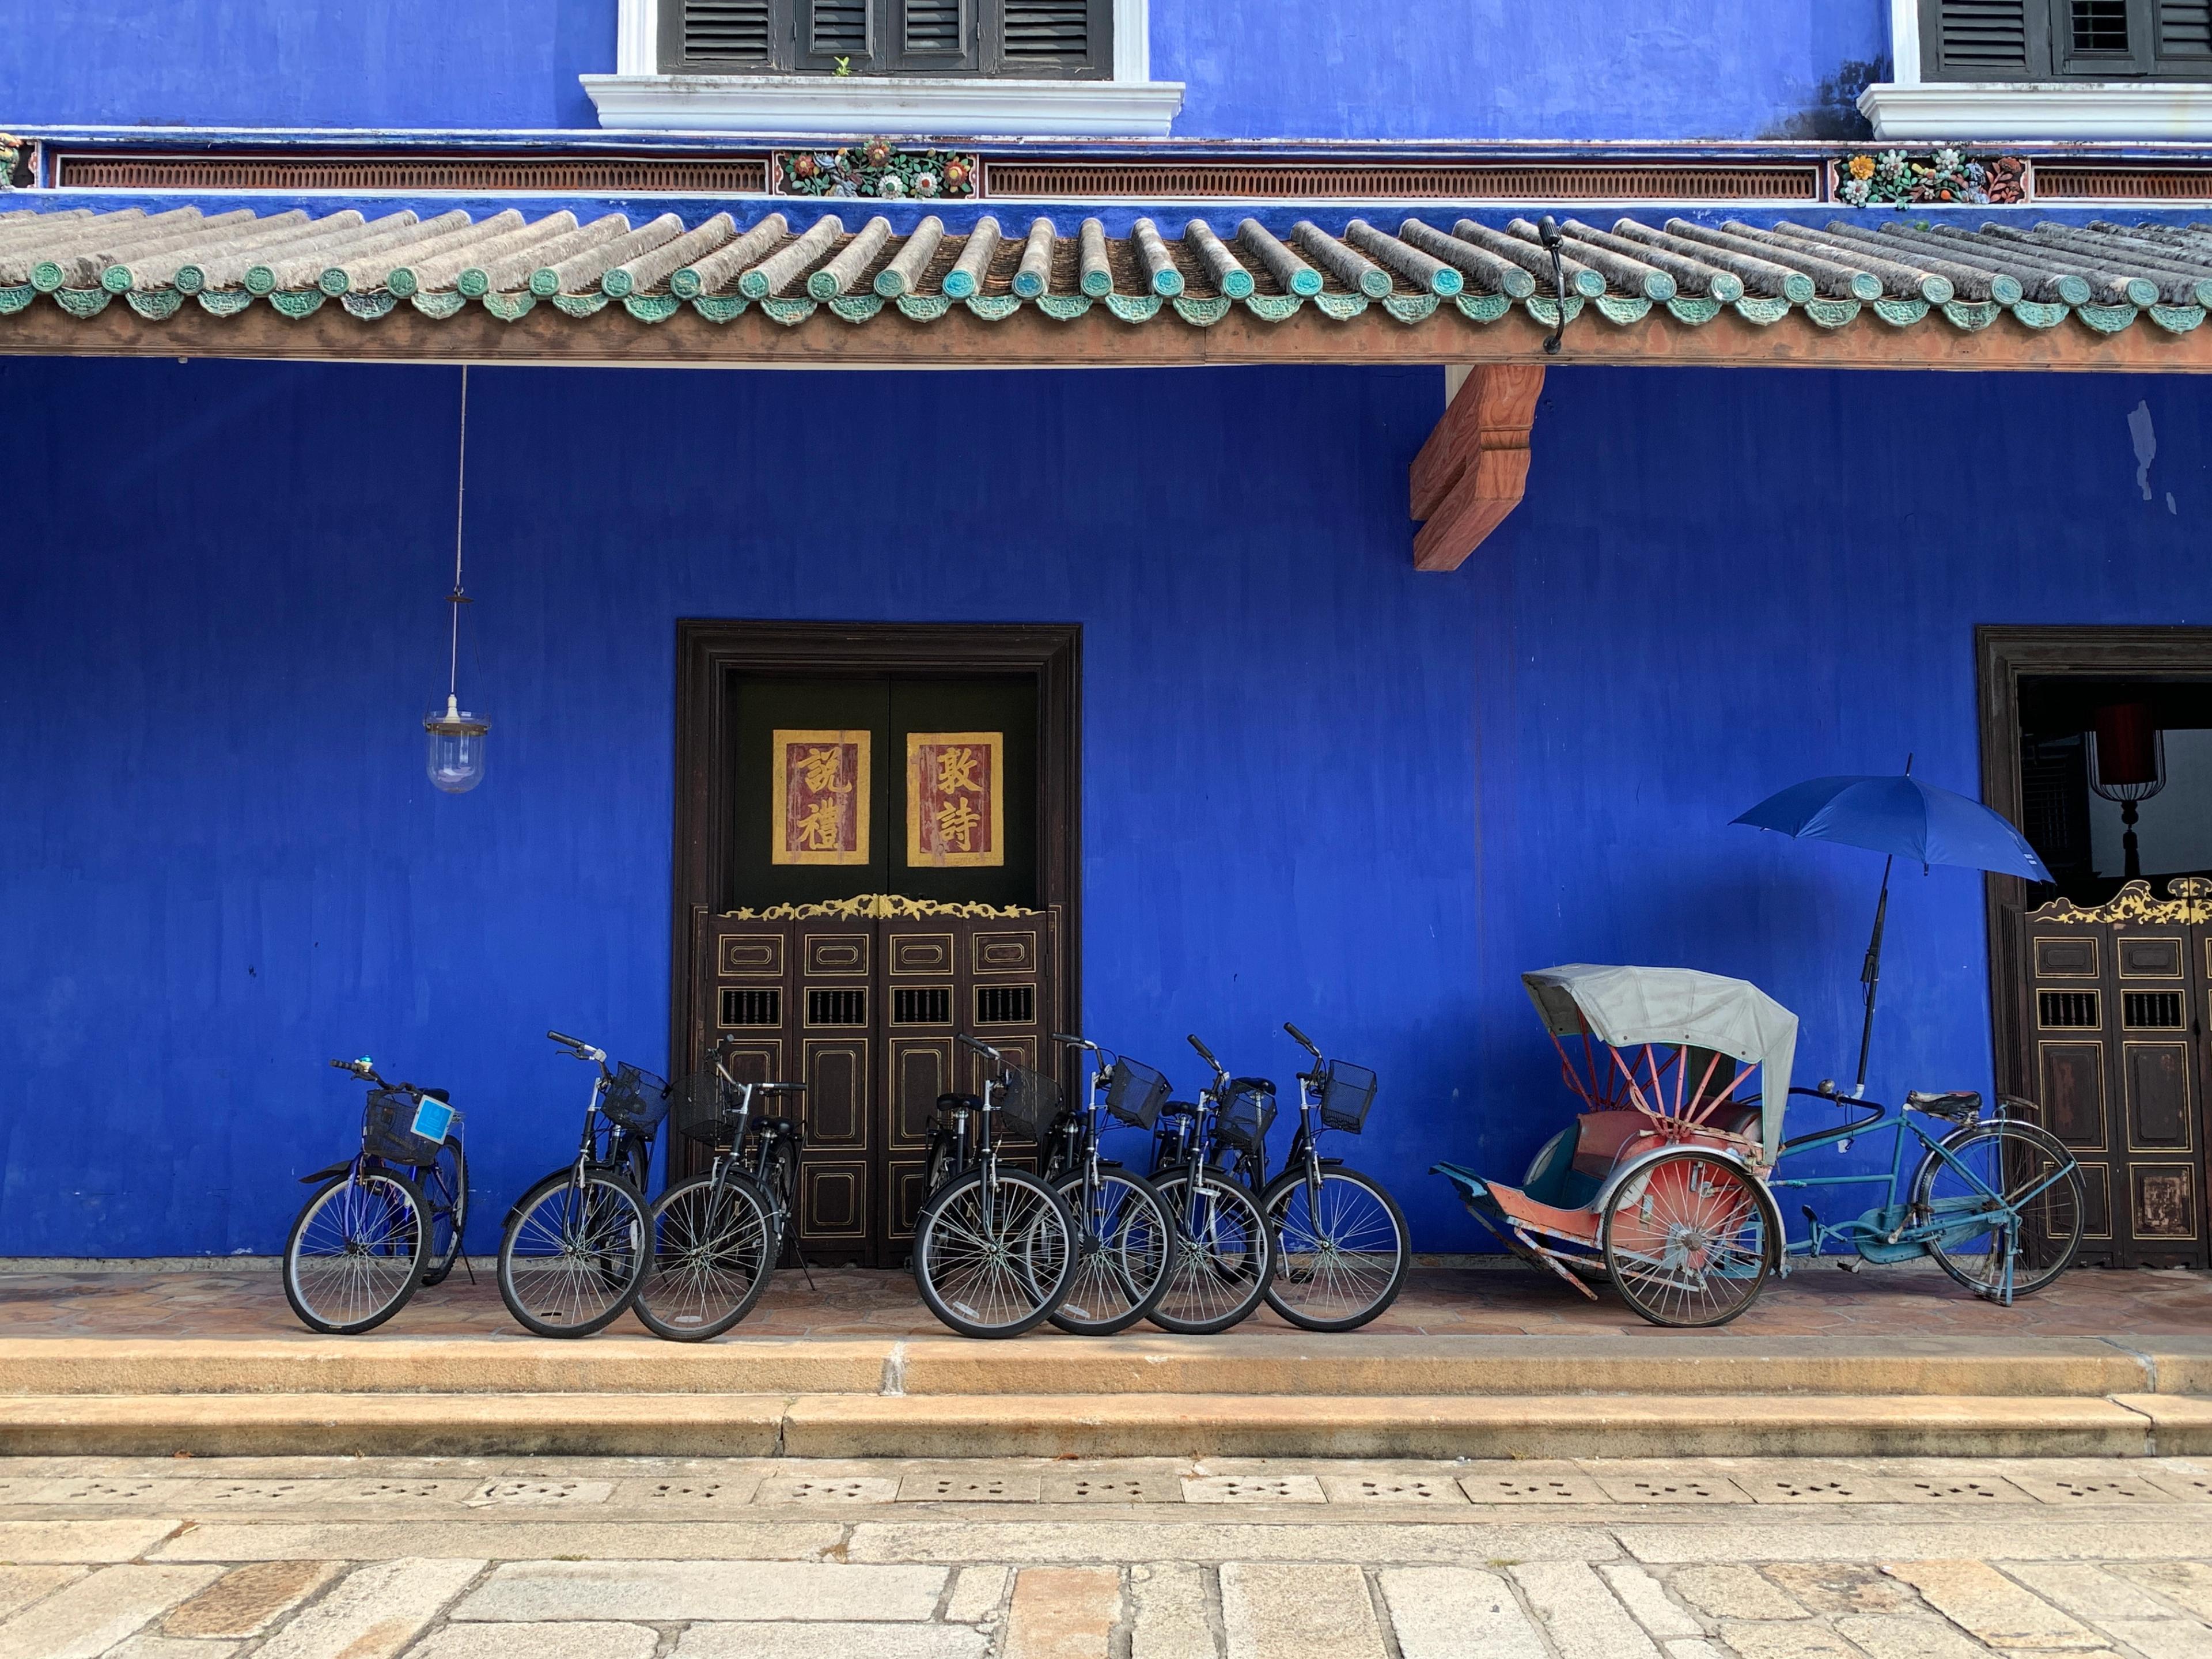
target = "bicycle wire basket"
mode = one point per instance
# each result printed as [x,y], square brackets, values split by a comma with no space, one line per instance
[1347,1092]
[1244,1113]
[633,1099]
[1026,1102]
[387,1129]
[1136,1093]
[702,1107]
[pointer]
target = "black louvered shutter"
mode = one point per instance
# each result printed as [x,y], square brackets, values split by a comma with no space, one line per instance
[934,37]
[2184,38]
[832,29]
[1984,39]
[1054,38]
[721,33]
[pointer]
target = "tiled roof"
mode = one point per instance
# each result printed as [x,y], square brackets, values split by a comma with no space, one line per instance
[1837,273]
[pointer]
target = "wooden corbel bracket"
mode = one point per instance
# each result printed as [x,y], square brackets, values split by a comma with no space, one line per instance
[1471,471]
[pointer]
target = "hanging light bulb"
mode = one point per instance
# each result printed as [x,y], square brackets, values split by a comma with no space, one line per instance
[455,759]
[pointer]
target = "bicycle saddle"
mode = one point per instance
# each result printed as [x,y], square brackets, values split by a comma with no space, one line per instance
[1238,1085]
[1963,1104]
[444,1097]
[1180,1109]
[774,1126]
[959,1102]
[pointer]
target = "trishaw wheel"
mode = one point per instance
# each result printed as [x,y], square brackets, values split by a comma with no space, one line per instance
[2008,1198]
[1688,1239]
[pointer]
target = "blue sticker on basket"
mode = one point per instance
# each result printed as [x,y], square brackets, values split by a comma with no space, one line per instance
[432,1119]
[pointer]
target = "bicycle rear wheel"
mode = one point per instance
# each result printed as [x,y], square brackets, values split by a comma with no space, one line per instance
[2014,1203]
[355,1253]
[1223,1253]
[993,1252]
[712,1249]
[573,1255]
[1123,1234]
[1341,1257]
[445,1188]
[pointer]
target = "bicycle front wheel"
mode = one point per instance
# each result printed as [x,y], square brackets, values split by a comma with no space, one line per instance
[1123,1235]
[2008,1200]
[993,1252]
[445,1188]
[1223,1253]
[355,1253]
[1341,1250]
[573,1253]
[713,1246]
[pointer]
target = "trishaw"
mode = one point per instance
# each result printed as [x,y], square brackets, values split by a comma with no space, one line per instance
[1664,1184]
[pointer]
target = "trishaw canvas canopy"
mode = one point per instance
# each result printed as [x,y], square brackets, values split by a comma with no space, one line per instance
[1628,1007]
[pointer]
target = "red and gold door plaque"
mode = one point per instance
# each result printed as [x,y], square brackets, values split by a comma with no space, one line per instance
[820,812]
[956,803]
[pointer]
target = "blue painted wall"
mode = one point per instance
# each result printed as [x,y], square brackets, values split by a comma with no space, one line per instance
[1425,69]
[1320,786]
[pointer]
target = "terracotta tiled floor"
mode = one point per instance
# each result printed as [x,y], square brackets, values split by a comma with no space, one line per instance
[1460,1301]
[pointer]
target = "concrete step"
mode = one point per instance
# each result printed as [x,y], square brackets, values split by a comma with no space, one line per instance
[1127,1425]
[1258,1363]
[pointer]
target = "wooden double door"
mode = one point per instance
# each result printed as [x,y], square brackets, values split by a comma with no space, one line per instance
[866,1011]
[2113,1009]
[876,853]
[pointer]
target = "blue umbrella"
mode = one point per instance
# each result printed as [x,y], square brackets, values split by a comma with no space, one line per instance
[1902,818]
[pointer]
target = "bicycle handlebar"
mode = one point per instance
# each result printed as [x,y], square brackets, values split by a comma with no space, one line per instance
[981,1048]
[1205,1053]
[1075,1041]
[1302,1040]
[580,1049]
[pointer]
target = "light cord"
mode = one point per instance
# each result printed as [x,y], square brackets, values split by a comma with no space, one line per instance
[460,499]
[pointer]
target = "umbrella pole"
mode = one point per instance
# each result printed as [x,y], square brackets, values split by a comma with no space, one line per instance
[1870,974]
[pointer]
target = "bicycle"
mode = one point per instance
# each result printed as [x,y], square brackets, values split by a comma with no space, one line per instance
[1342,1244]
[1983,1196]
[387,1221]
[1224,1251]
[718,1236]
[992,1244]
[1122,1228]
[574,1249]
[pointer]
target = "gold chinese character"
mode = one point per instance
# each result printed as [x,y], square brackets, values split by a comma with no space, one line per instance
[956,770]
[956,822]
[820,829]
[818,769]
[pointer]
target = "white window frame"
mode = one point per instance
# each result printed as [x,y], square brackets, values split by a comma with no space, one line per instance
[1132,105]
[1907,109]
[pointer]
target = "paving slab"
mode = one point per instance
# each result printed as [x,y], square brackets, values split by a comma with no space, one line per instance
[245,1600]
[34,1542]
[1908,1636]
[2086,1590]
[85,1618]
[1457,1613]
[2178,1534]
[1791,1641]
[677,1590]
[2170,1639]
[2187,1585]
[537,1641]
[1992,1608]
[978,1595]
[1322,1612]
[1111,1540]
[1172,1615]
[1063,1613]
[1732,1590]
[1647,1602]
[21,1586]
[491,1538]
[1583,1617]
[375,1613]
[832,1642]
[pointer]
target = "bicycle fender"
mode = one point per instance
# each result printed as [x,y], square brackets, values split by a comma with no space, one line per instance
[325,1174]
[1628,1171]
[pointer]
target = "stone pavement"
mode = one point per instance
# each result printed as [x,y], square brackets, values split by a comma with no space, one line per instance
[1466,1301]
[1072,1559]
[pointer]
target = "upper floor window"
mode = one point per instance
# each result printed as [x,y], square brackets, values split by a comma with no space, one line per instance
[2062,39]
[1031,39]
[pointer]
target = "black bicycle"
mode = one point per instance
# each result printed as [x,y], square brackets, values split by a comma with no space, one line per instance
[575,1249]
[1122,1228]
[1223,1248]
[388,1220]
[1341,1243]
[993,1245]
[718,1236]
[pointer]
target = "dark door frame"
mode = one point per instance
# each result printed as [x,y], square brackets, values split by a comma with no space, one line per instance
[708,651]
[2004,655]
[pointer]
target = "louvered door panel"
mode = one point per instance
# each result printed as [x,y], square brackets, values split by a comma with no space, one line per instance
[829,30]
[2185,31]
[1986,40]
[726,32]
[1046,36]
[933,28]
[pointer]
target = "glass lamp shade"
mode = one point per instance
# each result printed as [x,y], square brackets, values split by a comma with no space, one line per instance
[455,745]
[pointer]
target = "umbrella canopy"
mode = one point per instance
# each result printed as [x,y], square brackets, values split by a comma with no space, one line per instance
[1902,817]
